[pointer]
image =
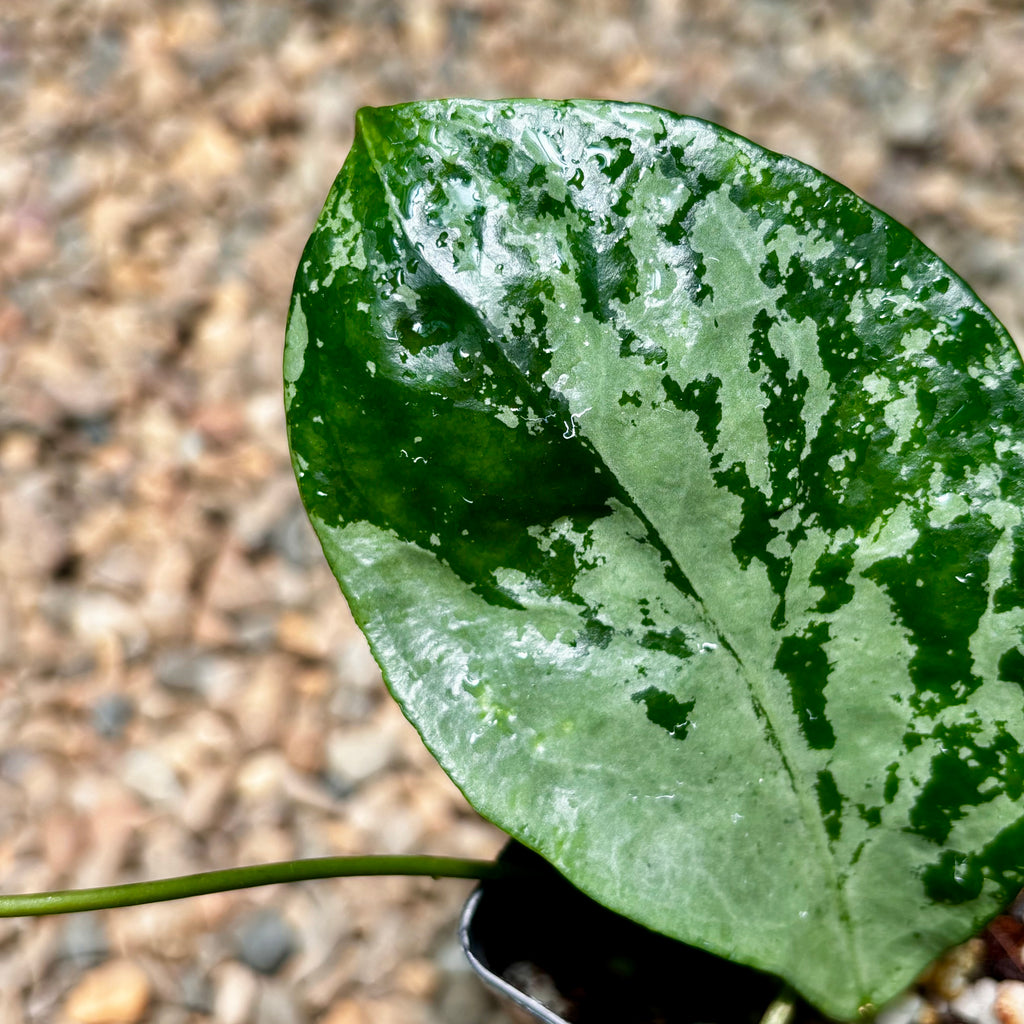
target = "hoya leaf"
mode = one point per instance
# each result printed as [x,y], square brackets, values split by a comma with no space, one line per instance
[678,492]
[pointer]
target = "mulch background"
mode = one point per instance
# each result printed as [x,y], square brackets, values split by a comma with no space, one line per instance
[181,686]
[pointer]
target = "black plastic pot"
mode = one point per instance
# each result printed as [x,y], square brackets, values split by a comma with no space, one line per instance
[564,959]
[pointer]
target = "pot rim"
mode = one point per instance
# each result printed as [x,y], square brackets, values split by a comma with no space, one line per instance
[479,964]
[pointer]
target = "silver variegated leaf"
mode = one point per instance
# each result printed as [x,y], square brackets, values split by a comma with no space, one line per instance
[678,492]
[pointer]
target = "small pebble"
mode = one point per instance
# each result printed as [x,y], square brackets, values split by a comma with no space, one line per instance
[348,1011]
[265,941]
[948,976]
[235,988]
[277,1005]
[903,1009]
[386,1010]
[183,670]
[85,940]
[111,713]
[1010,1002]
[118,992]
[419,978]
[464,1000]
[976,1003]
[299,633]
[293,538]
[148,774]
[357,753]
[195,991]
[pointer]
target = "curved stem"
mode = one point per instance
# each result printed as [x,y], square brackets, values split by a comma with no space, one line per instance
[69,901]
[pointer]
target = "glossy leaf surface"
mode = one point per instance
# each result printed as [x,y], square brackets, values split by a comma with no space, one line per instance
[678,493]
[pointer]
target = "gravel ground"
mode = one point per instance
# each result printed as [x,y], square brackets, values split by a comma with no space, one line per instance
[181,687]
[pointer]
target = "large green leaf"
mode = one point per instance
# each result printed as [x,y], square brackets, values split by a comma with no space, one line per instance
[678,493]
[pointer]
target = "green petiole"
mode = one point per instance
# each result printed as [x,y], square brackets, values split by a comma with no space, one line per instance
[130,894]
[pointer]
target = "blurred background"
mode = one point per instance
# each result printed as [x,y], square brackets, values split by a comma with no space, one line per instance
[181,686]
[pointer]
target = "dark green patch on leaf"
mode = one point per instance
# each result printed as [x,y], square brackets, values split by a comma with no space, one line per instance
[803,660]
[831,802]
[665,711]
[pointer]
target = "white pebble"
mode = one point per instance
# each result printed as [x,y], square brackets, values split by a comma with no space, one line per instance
[902,1010]
[977,1003]
[1010,1002]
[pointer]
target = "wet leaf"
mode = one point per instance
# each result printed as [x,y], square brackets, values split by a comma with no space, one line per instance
[678,493]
